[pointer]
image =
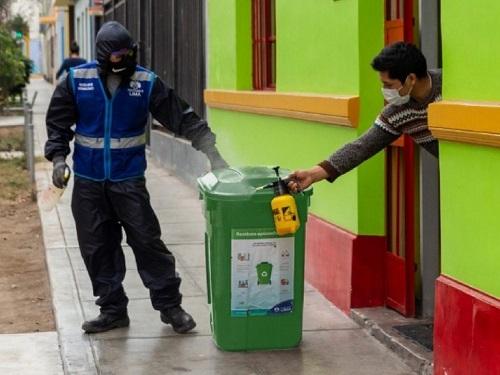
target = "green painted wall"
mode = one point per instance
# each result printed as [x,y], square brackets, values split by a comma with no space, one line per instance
[317,46]
[229,41]
[469,173]
[320,49]
[371,180]
[471,56]
[247,139]
[470,233]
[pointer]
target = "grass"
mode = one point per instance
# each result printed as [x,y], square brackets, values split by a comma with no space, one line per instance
[15,101]
[14,180]
[12,139]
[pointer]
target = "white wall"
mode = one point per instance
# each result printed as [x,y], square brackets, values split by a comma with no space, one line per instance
[84,33]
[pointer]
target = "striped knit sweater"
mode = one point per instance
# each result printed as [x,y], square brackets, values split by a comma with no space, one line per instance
[393,121]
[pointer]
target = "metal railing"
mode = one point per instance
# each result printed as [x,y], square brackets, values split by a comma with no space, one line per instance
[29,138]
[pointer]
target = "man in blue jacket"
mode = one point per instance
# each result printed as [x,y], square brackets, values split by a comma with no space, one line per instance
[109,100]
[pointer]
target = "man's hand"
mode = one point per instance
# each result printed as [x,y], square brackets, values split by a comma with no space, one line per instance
[302,179]
[216,160]
[60,175]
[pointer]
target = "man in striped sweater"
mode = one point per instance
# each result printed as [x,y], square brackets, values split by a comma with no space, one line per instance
[408,88]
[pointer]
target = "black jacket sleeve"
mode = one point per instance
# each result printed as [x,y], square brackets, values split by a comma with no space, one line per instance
[61,116]
[179,117]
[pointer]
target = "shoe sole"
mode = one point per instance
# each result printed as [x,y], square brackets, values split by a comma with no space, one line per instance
[182,329]
[122,323]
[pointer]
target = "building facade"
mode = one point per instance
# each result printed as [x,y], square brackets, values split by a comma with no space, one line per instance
[56,34]
[87,20]
[288,83]
[467,122]
[325,94]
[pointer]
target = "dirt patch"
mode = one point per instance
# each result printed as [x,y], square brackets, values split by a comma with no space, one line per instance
[25,299]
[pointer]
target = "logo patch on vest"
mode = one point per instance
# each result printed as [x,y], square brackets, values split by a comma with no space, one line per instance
[86,86]
[135,88]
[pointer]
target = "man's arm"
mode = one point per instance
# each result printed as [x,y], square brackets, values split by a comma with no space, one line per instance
[179,117]
[346,158]
[352,154]
[61,116]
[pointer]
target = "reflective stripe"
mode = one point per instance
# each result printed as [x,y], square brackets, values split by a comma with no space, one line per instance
[85,73]
[92,73]
[141,76]
[89,141]
[116,143]
[139,140]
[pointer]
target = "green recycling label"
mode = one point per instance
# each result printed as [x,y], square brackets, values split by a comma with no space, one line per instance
[264,270]
[262,266]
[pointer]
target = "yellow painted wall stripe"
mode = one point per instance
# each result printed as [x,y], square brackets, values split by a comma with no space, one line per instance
[466,122]
[47,20]
[341,110]
[465,116]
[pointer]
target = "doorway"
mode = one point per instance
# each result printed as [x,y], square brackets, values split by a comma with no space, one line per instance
[412,180]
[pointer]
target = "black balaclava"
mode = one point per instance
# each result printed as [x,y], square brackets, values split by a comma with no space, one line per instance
[113,37]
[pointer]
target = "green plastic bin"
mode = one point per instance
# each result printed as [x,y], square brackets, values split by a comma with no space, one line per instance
[255,278]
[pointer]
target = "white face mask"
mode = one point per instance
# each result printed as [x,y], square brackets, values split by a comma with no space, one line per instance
[392,96]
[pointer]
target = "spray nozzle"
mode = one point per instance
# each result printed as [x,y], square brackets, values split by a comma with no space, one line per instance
[280,186]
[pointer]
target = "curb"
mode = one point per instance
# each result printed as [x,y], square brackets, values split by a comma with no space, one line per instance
[75,348]
[418,362]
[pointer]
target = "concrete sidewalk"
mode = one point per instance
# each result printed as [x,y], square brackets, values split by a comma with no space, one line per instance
[332,343]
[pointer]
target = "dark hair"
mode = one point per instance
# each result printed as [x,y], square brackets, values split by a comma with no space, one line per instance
[74,47]
[399,60]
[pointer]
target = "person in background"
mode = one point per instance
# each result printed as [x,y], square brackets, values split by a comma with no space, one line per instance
[73,60]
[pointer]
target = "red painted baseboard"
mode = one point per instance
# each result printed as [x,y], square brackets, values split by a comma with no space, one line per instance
[368,271]
[466,331]
[347,269]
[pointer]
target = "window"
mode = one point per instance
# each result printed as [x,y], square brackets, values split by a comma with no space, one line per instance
[264,44]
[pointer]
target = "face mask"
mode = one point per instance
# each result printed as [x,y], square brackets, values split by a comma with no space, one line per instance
[392,96]
[125,67]
[118,68]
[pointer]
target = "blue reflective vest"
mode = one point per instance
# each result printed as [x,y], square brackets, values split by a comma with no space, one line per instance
[110,132]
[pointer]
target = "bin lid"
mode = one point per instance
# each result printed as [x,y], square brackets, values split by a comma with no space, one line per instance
[239,182]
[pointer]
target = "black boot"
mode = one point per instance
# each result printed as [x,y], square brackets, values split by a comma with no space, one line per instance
[180,320]
[105,322]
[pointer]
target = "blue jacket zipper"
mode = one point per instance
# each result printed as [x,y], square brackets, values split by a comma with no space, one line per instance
[107,126]
[108,119]
[110,124]
[107,131]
